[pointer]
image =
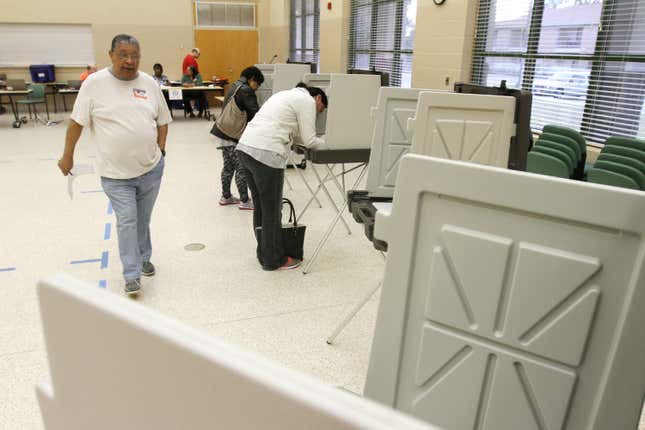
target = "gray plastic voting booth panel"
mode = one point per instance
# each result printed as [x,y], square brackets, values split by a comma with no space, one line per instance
[510,300]
[279,77]
[468,127]
[346,122]
[390,138]
[118,365]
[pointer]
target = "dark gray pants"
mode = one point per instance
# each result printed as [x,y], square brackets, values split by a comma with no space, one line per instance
[233,166]
[266,185]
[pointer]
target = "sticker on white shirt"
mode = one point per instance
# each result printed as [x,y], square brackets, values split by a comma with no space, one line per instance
[139,94]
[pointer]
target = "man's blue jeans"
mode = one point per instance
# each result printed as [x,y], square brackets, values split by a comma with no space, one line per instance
[133,201]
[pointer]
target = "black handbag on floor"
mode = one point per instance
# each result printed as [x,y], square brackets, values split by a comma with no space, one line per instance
[293,234]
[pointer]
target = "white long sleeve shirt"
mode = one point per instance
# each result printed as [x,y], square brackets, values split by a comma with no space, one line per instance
[284,115]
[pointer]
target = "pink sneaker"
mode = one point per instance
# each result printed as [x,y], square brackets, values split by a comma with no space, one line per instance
[291,263]
[230,201]
[246,206]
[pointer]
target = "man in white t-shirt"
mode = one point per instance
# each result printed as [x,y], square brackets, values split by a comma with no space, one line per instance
[128,121]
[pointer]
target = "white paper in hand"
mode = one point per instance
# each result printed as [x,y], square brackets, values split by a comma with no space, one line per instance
[77,170]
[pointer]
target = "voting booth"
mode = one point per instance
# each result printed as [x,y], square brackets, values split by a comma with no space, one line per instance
[116,364]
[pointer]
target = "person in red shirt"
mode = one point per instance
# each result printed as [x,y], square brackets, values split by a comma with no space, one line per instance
[91,68]
[190,60]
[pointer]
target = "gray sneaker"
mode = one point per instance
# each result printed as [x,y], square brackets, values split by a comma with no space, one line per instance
[132,287]
[223,201]
[148,269]
[246,206]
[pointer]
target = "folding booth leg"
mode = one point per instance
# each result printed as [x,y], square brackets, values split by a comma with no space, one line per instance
[350,316]
[302,176]
[314,195]
[357,307]
[331,199]
[288,183]
[338,216]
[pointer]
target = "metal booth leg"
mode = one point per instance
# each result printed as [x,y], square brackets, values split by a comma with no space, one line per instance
[338,216]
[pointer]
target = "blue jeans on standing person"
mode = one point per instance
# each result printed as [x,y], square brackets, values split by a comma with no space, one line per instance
[133,201]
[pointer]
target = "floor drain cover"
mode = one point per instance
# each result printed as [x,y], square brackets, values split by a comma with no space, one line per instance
[194,247]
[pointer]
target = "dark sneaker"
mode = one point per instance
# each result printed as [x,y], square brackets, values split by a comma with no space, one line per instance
[291,263]
[132,287]
[148,269]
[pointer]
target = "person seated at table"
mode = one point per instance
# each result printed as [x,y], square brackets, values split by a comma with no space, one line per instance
[191,79]
[89,69]
[159,76]
[263,149]
[162,80]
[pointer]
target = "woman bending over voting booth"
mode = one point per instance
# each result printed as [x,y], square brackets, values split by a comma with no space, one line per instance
[263,150]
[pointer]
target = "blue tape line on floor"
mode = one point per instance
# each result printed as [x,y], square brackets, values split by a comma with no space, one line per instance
[92,191]
[92,260]
[104,260]
[110,210]
[8,269]
[102,283]
[108,228]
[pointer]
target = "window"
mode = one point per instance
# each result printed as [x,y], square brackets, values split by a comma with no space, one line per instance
[584,61]
[224,15]
[382,37]
[569,37]
[305,31]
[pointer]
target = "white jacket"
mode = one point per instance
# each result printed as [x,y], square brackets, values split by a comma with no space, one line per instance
[285,114]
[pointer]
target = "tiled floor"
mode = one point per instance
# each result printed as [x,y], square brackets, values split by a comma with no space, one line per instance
[221,290]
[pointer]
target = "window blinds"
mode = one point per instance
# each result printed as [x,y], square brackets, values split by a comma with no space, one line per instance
[584,61]
[382,37]
[225,15]
[305,31]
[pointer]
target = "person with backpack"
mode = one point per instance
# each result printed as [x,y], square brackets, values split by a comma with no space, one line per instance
[239,108]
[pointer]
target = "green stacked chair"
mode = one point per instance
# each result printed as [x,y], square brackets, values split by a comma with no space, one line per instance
[545,148]
[538,161]
[626,142]
[600,176]
[578,138]
[607,177]
[556,154]
[620,159]
[624,151]
[617,174]
[633,173]
[568,152]
[620,163]
[35,97]
[574,146]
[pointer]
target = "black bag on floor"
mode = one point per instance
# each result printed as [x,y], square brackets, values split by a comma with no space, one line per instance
[293,234]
